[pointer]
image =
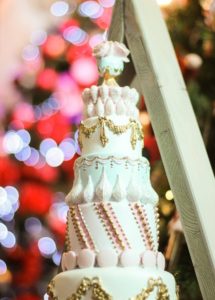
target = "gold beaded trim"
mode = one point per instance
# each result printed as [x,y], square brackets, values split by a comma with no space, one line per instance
[157,219]
[99,160]
[162,290]
[85,228]
[110,227]
[67,239]
[87,284]
[50,290]
[98,293]
[136,132]
[109,210]
[78,229]
[142,220]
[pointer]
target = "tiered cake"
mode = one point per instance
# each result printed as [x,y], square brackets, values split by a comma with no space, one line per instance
[112,226]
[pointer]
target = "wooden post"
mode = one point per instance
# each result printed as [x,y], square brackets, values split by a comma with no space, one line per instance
[177,133]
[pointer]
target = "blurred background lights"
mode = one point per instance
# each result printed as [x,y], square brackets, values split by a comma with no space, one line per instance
[164,2]
[38,37]
[81,68]
[96,39]
[53,103]
[30,52]
[25,136]
[46,246]
[75,35]
[47,144]
[12,192]
[3,231]
[68,147]
[59,8]
[56,257]
[3,267]
[24,154]
[9,202]
[3,195]
[9,241]
[33,225]
[46,297]
[34,158]
[54,157]
[169,195]
[107,3]
[61,210]
[144,118]
[46,109]
[5,208]
[8,217]
[76,135]
[12,142]
[13,197]
[91,9]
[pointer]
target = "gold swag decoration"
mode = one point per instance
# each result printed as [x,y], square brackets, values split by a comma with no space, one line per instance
[98,293]
[136,132]
[86,285]
[162,290]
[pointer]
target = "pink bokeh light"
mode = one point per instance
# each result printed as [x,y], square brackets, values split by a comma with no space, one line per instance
[84,71]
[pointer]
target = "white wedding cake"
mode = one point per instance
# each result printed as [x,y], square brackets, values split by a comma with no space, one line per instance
[113,222]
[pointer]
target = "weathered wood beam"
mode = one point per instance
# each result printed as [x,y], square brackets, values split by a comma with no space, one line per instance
[177,133]
[117,30]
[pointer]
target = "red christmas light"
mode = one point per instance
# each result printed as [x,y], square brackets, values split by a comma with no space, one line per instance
[46,79]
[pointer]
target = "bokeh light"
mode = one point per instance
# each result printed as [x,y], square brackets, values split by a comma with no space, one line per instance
[54,157]
[24,154]
[54,46]
[30,52]
[9,241]
[38,37]
[56,257]
[12,142]
[96,39]
[46,145]
[107,3]
[25,136]
[75,35]
[46,79]
[169,195]
[61,210]
[9,202]
[91,9]
[68,147]
[46,246]
[81,68]
[33,225]
[34,157]
[13,197]
[24,114]
[59,8]
[3,267]
[3,231]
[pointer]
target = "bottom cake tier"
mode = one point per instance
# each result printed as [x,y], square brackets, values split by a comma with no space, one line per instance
[113,283]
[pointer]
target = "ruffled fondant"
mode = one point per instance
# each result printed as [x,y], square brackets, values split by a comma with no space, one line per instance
[109,48]
[110,100]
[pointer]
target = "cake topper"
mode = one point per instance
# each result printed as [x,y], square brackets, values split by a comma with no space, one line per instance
[111,57]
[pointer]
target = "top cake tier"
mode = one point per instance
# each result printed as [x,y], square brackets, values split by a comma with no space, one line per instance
[110,100]
[111,126]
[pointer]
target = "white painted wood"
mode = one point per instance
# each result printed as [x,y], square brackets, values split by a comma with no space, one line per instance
[179,139]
